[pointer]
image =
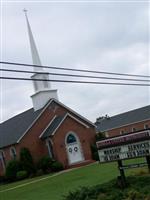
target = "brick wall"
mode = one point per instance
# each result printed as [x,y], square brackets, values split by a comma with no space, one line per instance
[85,135]
[38,147]
[127,128]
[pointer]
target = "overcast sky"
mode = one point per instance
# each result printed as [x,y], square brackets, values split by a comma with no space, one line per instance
[110,36]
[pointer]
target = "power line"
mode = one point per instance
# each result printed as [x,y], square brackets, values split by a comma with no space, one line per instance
[74,75]
[69,81]
[77,70]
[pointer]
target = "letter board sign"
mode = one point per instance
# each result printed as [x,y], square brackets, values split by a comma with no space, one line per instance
[124,147]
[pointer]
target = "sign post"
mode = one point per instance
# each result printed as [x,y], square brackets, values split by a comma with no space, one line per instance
[148,162]
[122,174]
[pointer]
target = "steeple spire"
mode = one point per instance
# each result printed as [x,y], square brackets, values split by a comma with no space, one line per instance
[34,51]
[43,91]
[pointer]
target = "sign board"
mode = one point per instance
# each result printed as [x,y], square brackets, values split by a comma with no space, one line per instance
[124,147]
[137,165]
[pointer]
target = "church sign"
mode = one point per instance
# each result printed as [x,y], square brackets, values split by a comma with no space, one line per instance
[124,147]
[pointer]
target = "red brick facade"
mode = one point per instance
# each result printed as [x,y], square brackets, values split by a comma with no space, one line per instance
[128,128]
[38,147]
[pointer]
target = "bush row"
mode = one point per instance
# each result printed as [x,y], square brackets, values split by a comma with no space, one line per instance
[25,167]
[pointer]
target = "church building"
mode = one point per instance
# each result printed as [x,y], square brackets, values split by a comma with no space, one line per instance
[49,128]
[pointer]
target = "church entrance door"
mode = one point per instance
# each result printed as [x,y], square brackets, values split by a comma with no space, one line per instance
[73,149]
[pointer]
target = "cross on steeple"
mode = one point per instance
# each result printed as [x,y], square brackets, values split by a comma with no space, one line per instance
[43,91]
[25,10]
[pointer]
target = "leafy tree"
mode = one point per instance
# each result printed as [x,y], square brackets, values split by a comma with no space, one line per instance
[100,136]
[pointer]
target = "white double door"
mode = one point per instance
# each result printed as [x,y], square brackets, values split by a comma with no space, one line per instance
[74,153]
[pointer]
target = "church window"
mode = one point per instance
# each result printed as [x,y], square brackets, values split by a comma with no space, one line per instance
[13,152]
[122,132]
[133,129]
[2,158]
[106,134]
[50,148]
[146,126]
[71,139]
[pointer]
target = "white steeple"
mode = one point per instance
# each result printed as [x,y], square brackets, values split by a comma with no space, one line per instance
[43,91]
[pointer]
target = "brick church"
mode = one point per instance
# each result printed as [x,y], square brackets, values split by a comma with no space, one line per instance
[49,128]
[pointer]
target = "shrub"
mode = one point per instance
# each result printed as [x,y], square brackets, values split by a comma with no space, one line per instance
[141,172]
[100,136]
[39,172]
[2,179]
[134,195]
[96,156]
[21,175]
[27,161]
[44,164]
[56,166]
[11,170]
[136,190]
[94,152]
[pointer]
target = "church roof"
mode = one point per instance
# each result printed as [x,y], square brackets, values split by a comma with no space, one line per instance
[123,119]
[56,123]
[12,129]
[52,126]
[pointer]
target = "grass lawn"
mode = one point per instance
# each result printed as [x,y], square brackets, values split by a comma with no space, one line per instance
[53,188]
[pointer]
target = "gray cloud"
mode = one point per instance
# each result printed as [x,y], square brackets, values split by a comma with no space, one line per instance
[97,36]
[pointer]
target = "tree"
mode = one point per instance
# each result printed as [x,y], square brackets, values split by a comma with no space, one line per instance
[100,136]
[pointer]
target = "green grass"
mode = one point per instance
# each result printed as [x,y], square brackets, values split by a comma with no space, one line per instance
[53,188]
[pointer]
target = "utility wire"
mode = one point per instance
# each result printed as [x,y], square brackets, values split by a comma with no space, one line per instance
[77,70]
[74,75]
[69,81]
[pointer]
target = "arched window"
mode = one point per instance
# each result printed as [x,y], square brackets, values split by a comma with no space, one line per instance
[13,152]
[2,158]
[71,139]
[50,148]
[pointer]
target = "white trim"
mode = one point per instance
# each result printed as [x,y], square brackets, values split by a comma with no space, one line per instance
[74,112]
[72,118]
[47,126]
[78,120]
[125,125]
[50,101]
[34,121]
[59,124]
[50,149]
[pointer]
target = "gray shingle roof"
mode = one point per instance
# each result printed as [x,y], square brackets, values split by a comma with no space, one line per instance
[123,119]
[12,129]
[52,127]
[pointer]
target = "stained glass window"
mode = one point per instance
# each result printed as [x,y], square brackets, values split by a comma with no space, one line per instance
[71,139]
